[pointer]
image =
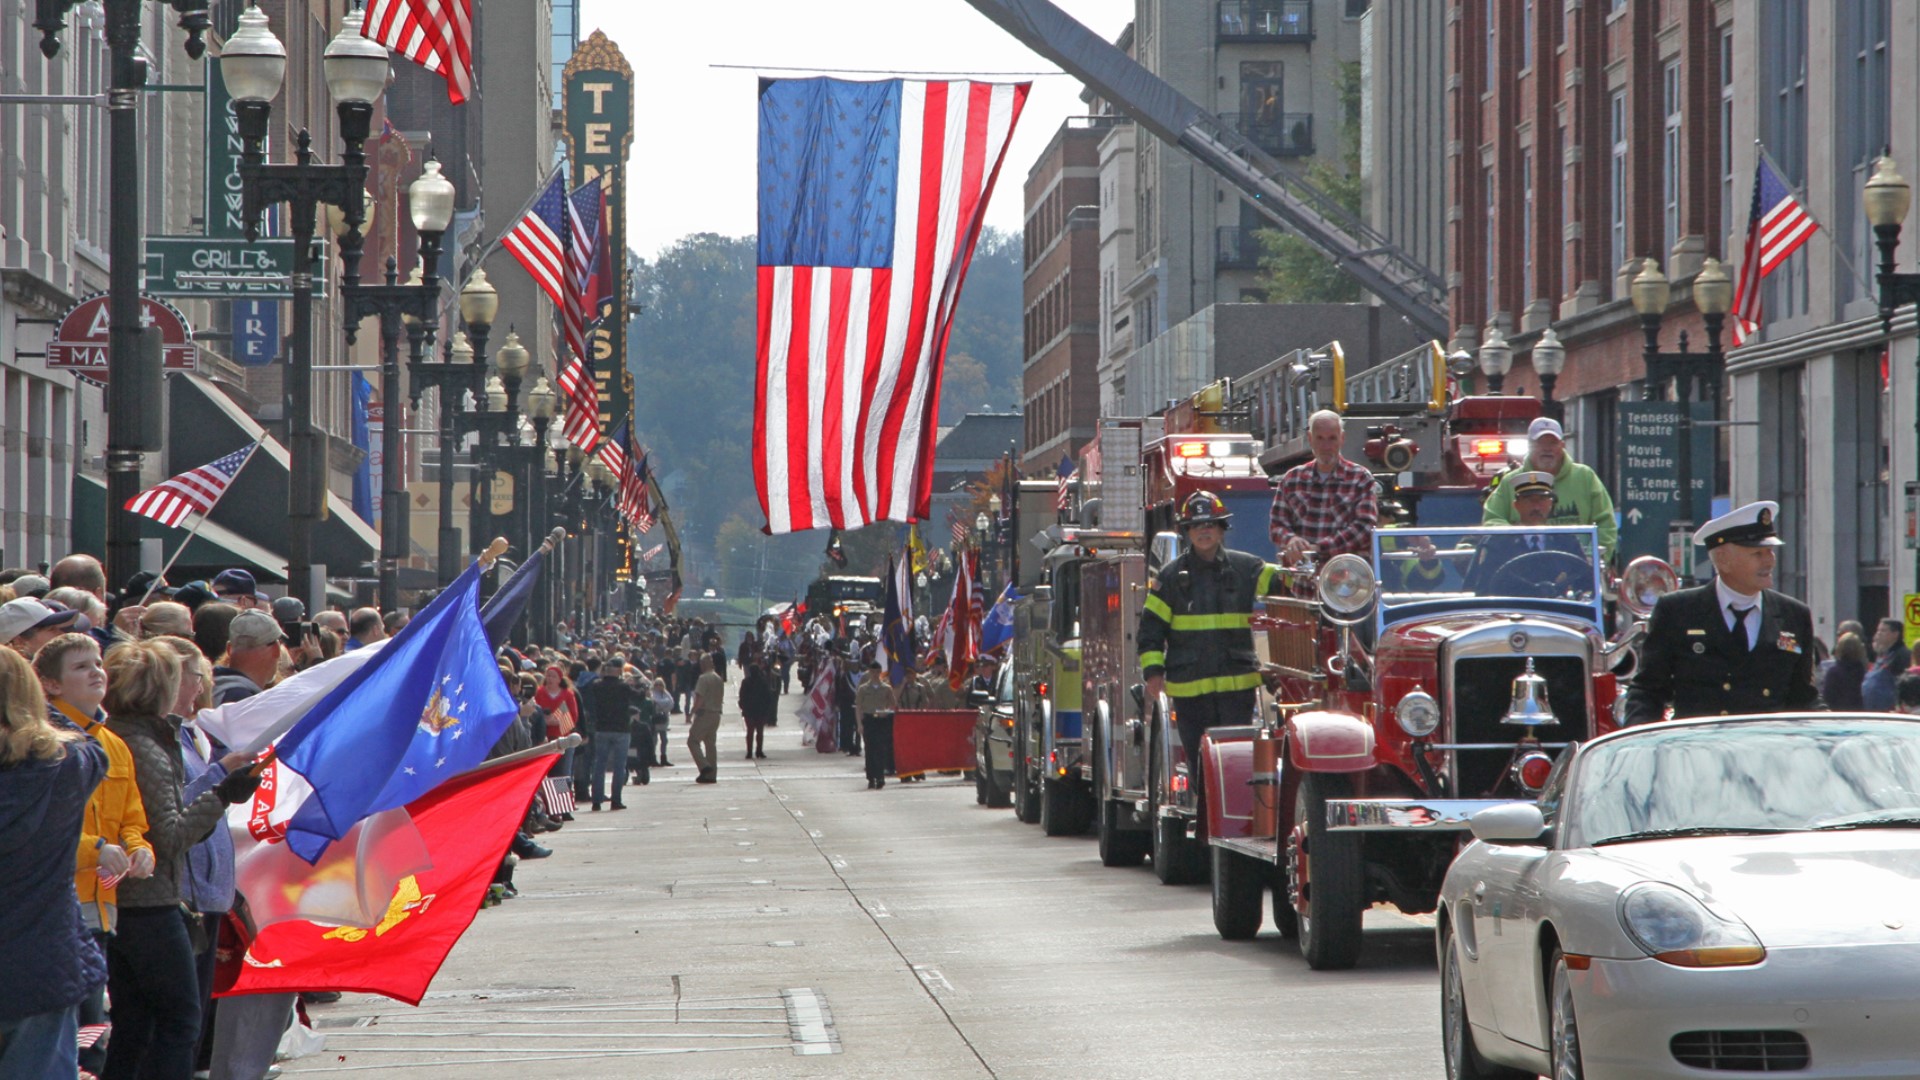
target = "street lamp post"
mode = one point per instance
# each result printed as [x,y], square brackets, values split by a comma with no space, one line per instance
[1549,360]
[456,377]
[128,439]
[412,308]
[540,409]
[1496,359]
[1888,196]
[254,65]
[1712,297]
[603,481]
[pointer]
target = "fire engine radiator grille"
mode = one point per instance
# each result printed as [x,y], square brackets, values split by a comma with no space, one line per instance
[1482,693]
[1742,1051]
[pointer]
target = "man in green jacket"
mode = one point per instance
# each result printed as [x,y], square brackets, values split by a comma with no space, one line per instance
[1579,498]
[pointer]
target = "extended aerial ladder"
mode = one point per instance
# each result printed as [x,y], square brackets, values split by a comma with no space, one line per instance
[1398,279]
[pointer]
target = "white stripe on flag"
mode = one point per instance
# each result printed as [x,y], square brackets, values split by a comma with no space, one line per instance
[820,356]
[779,336]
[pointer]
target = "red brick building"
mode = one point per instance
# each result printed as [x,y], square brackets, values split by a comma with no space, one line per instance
[1061,352]
[1583,138]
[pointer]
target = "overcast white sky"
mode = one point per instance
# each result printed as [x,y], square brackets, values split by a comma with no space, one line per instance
[692,166]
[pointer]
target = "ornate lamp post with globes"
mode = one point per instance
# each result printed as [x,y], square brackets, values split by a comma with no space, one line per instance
[1888,197]
[254,64]
[1496,358]
[1713,298]
[1549,360]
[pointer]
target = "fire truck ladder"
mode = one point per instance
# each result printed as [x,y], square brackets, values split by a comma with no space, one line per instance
[1282,395]
[1382,268]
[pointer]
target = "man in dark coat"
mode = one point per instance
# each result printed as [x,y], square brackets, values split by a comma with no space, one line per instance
[1734,646]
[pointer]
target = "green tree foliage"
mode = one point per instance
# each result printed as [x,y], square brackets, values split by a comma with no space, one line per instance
[692,356]
[1293,271]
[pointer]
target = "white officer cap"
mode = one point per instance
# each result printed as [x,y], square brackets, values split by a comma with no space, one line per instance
[1748,526]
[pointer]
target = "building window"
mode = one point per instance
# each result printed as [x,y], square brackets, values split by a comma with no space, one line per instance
[1617,183]
[1670,155]
[1493,62]
[1727,203]
[1864,100]
[1787,418]
[1871,462]
[1526,34]
[1531,287]
[1492,253]
[1783,131]
[1569,215]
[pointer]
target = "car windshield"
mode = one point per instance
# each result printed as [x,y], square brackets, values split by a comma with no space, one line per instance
[1424,570]
[1747,777]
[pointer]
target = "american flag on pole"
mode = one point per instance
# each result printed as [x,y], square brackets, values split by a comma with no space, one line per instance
[192,492]
[436,34]
[1065,473]
[631,496]
[1776,227]
[872,195]
[585,213]
[959,533]
[542,241]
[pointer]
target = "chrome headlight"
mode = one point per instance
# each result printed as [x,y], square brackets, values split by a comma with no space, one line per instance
[1418,714]
[1347,585]
[1646,580]
[1672,926]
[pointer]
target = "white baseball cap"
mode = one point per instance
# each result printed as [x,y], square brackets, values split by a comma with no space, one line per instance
[19,616]
[1545,425]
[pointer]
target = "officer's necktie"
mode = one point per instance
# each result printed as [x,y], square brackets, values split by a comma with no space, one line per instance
[1740,624]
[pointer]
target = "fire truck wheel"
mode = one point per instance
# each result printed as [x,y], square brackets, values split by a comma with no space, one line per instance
[1285,919]
[1324,876]
[998,797]
[1025,806]
[1456,1034]
[1238,883]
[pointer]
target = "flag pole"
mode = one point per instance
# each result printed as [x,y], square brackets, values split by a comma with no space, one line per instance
[154,585]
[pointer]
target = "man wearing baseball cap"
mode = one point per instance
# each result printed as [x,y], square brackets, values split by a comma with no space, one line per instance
[238,588]
[253,657]
[1579,498]
[1734,646]
[26,624]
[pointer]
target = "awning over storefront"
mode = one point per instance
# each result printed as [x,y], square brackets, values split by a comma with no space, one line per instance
[203,425]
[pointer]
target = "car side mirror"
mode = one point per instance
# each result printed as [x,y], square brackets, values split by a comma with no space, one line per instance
[978,697]
[1509,823]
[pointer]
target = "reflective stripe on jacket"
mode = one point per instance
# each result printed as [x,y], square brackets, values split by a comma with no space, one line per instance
[1196,624]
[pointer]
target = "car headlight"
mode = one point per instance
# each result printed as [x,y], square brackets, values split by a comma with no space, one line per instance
[1418,714]
[1672,926]
[1346,584]
[1646,580]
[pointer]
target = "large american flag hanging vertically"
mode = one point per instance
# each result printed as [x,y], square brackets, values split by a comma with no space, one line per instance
[872,195]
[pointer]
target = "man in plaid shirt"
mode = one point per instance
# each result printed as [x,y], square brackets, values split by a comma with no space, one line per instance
[1329,505]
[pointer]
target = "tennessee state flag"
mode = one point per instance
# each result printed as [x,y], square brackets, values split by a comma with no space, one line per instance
[462,827]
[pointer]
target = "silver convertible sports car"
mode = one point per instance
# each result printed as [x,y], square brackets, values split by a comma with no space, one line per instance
[1714,898]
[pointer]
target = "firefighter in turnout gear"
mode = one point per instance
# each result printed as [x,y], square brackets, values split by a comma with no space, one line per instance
[1196,634]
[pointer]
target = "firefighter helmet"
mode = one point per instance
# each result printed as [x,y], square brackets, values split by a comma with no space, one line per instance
[1202,507]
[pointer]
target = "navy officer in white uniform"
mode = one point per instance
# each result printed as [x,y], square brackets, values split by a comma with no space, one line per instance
[1733,646]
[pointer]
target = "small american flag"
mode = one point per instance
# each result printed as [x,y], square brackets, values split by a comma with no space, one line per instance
[1066,473]
[1777,225]
[959,533]
[557,793]
[91,1034]
[436,34]
[192,492]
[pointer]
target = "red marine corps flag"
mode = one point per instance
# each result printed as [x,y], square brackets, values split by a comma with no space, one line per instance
[872,195]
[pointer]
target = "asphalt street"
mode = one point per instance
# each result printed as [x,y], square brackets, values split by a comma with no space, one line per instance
[788,922]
